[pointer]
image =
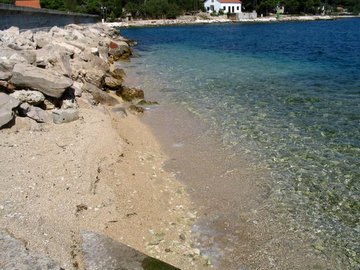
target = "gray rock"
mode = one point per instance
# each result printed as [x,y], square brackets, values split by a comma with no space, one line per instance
[65,116]
[46,81]
[8,59]
[31,97]
[77,86]
[9,35]
[7,102]
[99,95]
[41,38]
[15,255]
[36,113]
[5,75]
[71,49]
[103,52]
[69,104]
[5,117]
[101,252]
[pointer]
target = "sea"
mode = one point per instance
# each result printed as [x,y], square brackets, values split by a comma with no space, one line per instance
[261,121]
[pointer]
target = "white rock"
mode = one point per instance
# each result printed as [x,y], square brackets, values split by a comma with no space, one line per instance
[31,97]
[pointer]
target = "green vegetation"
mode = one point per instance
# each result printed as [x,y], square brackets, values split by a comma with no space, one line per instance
[156,9]
[117,8]
[303,6]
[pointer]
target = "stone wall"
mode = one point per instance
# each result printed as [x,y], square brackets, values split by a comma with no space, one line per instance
[30,18]
[247,15]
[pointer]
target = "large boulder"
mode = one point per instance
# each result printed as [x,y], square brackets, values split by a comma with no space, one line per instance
[46,81]
[99,95]
[31,97]
[5,116]
[7,104]
[91,70]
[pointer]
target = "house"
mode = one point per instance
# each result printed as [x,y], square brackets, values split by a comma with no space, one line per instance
[226,6]
[28,3]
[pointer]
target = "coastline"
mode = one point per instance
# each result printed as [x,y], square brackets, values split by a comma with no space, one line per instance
[223,19]
[101,173]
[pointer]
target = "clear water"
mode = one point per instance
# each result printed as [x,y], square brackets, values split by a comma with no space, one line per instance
[287,93]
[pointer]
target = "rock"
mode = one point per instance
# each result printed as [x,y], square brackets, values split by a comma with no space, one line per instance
[35,113]
[46,81]
[15,255]
[31,97]
[58,32]
[51,103]
[5,117]
[8,59]
[9,35]
[94,51]
[92,71]
[65,116]
[99,96]
[27,35]
[69,104]
[103,52]
[63,64]
[41,38]
[5,75]
[71,49]
[117,73]
[7,86]
[101,252]
[119,50]
[130,94]
[136,109]
[77,86]
[7,102]
[144,102]
[113,83]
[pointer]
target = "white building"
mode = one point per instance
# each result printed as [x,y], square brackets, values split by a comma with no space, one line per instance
[227,6]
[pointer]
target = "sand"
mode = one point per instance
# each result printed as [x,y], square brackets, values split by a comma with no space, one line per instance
[102,173]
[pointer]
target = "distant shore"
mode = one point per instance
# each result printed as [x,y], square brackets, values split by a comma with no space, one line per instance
[189,20]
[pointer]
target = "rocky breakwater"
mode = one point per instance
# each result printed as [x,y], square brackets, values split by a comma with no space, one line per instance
[44,76]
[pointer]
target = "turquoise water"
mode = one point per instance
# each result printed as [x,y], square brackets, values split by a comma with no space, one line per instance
[289,95]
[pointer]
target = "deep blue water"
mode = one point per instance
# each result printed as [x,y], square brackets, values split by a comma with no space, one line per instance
[289,94]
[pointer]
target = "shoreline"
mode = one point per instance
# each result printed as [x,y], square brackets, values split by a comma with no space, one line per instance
[61,180]
[223,19]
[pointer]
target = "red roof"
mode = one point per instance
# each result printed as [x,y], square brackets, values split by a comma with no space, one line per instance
[230,1]
[28,3]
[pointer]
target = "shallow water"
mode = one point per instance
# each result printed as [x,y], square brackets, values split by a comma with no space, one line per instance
[282,102]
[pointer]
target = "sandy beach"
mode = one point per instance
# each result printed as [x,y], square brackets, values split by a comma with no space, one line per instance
[100,172]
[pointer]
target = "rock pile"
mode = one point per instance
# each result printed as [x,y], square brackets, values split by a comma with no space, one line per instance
[44,74]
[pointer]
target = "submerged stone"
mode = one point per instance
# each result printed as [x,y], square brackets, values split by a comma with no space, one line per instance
[101,252]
